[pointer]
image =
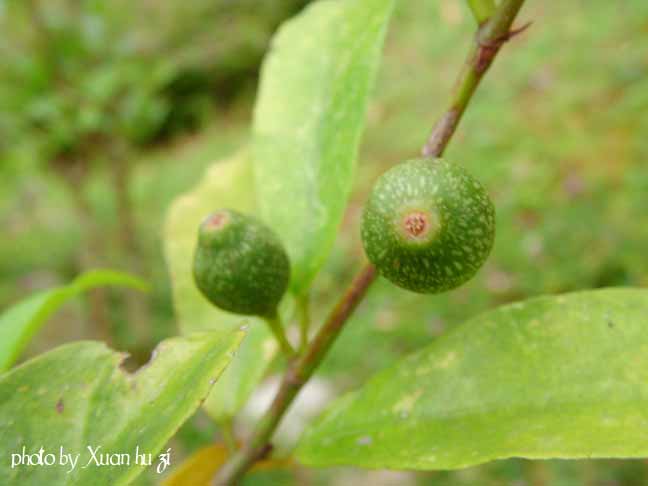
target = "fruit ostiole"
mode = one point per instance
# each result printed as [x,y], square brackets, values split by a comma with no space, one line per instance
[428,225]
[241,266]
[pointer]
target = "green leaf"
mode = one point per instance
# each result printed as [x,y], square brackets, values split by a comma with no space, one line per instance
[225,184]
[552,377]
[19,323]
[308,120]
[78,396]
[244,374]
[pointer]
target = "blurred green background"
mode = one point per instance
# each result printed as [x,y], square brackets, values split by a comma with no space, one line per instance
[109,110]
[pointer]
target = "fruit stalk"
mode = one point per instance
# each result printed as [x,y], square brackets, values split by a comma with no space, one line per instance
[493,31]
[277,329]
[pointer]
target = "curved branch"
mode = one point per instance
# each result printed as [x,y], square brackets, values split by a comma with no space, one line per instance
[490,38]
[488,41]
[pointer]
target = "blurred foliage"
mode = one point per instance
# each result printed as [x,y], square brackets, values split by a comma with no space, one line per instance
[557,133]
[79,76]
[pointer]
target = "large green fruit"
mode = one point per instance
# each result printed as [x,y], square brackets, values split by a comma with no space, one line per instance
[428,225]
[240,265]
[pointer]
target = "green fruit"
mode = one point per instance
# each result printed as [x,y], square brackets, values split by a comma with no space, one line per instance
[240,265]
[428,225]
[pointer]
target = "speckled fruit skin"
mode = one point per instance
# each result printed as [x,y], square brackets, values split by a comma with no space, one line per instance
[428,225]
[240,265]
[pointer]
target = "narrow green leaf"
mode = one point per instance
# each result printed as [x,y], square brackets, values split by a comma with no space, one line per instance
[77,396]
[225,184]
[309,117]
[19,323]
[552,377]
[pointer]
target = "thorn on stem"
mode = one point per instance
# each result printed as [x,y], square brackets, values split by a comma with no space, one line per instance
[488,49]
[498,41]
[513,32]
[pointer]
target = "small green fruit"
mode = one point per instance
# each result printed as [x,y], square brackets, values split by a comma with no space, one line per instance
[428,225]
[240,265]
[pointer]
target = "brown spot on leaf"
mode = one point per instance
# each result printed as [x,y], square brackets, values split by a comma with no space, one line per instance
[59,406]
